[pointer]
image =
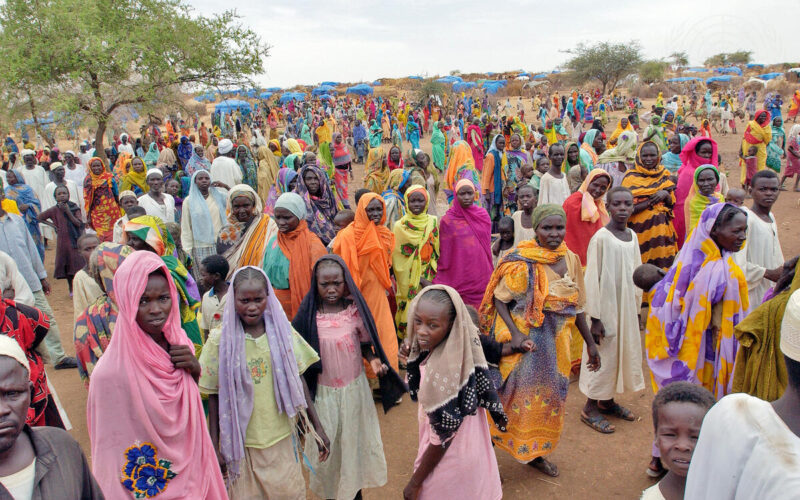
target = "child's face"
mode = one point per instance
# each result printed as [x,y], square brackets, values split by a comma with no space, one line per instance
[765,192]
[543,165]
[87,246]
[678,429]
[330,283]
[431,324]
[506,232]
[752,151]
[207,279]
[525,199]
[526,171]
[62,195]
[735,196]
[250,300]
[173,187]
[416,203]
[620,206]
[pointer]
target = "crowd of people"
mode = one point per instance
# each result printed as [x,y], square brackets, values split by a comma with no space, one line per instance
[240,304]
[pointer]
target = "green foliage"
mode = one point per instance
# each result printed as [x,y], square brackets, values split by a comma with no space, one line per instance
[92,57]
[429,88]
[679,59]
[726,58]
[606,62]
[652,71]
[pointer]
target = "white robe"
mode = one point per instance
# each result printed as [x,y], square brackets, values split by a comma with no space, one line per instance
[612,298]
[76,175]
[187,236]
[745,451]
[553,190]
[761,252]
[521,233]
[165,212]
[226,171]
[37,179]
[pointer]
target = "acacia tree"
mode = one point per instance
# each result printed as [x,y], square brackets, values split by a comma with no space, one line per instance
[652,71]
[606,62]
[92,57]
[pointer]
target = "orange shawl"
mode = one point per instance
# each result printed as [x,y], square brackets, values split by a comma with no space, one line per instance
[363,237]
[303,248]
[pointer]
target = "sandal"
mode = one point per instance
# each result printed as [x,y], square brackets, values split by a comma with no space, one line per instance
[615,410]
[544,466]
[655,468]
[598,423]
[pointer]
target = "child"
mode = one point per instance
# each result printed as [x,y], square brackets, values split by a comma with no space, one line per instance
[792,157]
[553,187]
[678,411]
[213,271]
[751,164]
[335,320]
[184,258]
[523,223]
[454,439]
[542,166]
[723,177]
[85,289]
[736,196]
[254,345]
[127,201]
[341,220]
[612,303]
[526,174]
[505,243]
[65,218]
[173,187]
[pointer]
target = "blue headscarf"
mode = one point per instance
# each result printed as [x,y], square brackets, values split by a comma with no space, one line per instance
[185,150]
[498,170]
[202,228]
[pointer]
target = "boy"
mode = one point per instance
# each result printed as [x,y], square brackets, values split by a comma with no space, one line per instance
[542,166]
[678,412]
[213,271]
[736,196]
[173,188]
[505,243]
[612,303]
[127,201]
[85,289]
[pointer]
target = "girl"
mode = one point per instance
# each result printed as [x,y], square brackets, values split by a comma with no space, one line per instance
[135,178]
[335,320]
[455,457]
[65,218]
[251,369]
[586,212]
[416,252]
[321,207]
[553,187]
[698,151]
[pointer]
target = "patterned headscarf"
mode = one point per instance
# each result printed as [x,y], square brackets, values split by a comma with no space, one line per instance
[153,232]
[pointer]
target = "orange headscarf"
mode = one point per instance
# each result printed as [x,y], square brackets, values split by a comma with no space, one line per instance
[363,237]
[303,248]
[459,156]
[97,181]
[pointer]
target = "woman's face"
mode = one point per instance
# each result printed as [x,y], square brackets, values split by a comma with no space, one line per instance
[154,305]
[96,167]
[139,244]
[598,187]
[199,151]
[156,183]
[501,143]
[762,119]
[516,142]
[375,211]
[556,155]
[649,156]
[311,181]
[624,122]
[466,196]
[550,232]
[705,150]
[242,208]
[707,182]
[572,154]
[394,155]
[292,184]
[416,202]
[285,220]
[598,144]
[777,122]
[731,235]
[675,144]
[11,178]
[137,165]
[203,181]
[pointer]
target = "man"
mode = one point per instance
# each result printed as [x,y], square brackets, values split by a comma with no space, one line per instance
[749,448]
[125,146]
[225,172]
[74,172]
[16,241]
[85,155]
[41,462]
[59,179]
[36,177]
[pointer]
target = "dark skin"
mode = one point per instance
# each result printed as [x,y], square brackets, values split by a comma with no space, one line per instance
[598,187]
[311,181]
[43,281]
[465,196]
[676,437]
[285,220]
[375,211]
[598,144]
[620,208]
[506,240]
[675,144]
[62,197]
[203,183]
[250,300]
[572,155]
[649,157]
[788,407]
[242,209]
[707,181]
[127,202]
[765,191]
[416,202]
[705,150]
[16,449]
[731,235]
[12,180]
[556,160]
[526,200]
[86,247]
[156,183]
[154,309]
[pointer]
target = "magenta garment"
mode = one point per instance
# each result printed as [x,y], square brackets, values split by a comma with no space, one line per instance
[340,337]
[465,256]
[689,163]
[469,468]
[477,149]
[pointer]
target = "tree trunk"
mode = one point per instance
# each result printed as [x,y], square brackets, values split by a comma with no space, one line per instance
[36,127]
[99,134]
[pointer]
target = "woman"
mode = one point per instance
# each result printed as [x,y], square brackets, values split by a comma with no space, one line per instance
[695,307]
[475,141]
[698,151]
[342,164]
[776,149]
[758,133]
[185,151]
[144,413]
[465,234]
[377,171]
[399,181]
[375,135]
[202,218]
[617,160]
[438,146]
[149,233]
[28,204]
[413,133]
[244,158]
[532,302]
[267,171]
[498,181]
[653,199]
[592,145]
[706,179]
[394,160]
[572,166]
[366,246]
[416,252]
[285,182]
[151,157]
[198,161]
[242,240]
[167,158]
[460,166]
[655,132]
[95,325]
[315,189]
[671,158]
[291,253]
[135,178]
[101,197]
[156,202]
[623,126]
[586,212]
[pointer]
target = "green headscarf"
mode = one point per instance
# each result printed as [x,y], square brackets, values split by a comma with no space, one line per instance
[544,211]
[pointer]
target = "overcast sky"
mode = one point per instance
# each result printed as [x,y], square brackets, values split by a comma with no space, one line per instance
[361,40]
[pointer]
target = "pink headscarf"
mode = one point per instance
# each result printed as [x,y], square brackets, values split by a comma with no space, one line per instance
[145,416]
[689,163]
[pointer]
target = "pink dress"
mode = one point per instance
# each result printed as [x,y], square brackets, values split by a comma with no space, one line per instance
[340,337]
[468,468]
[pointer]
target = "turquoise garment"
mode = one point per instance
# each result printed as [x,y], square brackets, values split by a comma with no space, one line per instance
[584,156]
[276,265]
[671,161]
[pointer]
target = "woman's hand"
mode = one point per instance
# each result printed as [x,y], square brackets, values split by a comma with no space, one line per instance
[593,363]
[183,358]
[378,367]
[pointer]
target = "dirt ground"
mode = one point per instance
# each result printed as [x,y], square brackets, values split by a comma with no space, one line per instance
[592,465]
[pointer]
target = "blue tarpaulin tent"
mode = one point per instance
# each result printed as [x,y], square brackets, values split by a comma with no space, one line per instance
[288,96]
[265,95]
[754,65]
[329,84]
[229,105]
[719,79]
[323,89]
[360,89]
[450,79]
[732,70]
[376,83]
[768,76]
[540,76]
[698,70]
[273,89]
[462,86]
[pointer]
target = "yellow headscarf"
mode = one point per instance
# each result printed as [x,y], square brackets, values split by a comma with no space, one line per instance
[267,171]
[134,178]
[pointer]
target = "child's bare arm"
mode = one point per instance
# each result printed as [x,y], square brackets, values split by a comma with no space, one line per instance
[430,459]
[325,446]
[213,427]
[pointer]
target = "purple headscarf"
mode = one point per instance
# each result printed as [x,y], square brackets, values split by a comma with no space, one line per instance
[236,384]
